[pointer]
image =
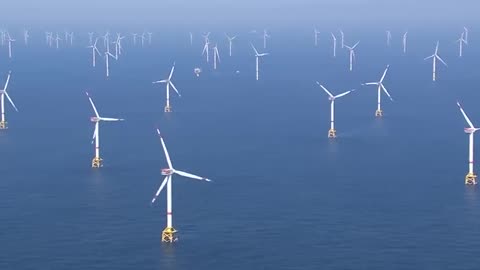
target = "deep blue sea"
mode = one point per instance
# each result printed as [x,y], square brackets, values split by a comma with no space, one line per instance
[385,194]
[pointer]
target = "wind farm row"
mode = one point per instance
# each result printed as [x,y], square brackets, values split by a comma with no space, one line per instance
[109,47]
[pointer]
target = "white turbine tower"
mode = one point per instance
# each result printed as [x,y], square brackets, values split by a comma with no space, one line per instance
[25,36]
[379,112]
[230,41]
[389,37]
[191,38]
[169,83]
[134,39]
[3,94]
[169,233]
[334,45]
[10,40]
[343,38]
[435,57]
[470,178]
[206,49]
[352,54]
[332,133]
[90,38]
[216,56]
[97,161]
[461,41]
[265,36]
[257,55]
[404,41]
[315,33]
[465,29]
[94,50]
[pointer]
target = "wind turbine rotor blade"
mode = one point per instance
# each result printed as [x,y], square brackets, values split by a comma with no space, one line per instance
[8,79]
[93,105]
[384,73]
[344,93]
[95,132]
[174,88]
[325,89]
[108,119]
[465,115]
[371,83]
[441,60]
[167,156]
[162,81]
[164,182]
[262,54]
[193,176]
[253,47]
[386,92]
[10,100]
[428,57]
[353,47]
[171,71]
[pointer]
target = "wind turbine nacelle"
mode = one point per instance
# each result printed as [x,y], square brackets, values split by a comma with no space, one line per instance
[94,119]
[331,98]
[469,130]
[167,171]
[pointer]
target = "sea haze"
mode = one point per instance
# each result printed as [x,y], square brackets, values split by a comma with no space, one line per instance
[386,194]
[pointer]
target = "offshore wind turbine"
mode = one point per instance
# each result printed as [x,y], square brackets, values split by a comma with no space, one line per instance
[134,39]
[257,55]
[216,56]
[352,53]
[149,38]
[461,41]
[205,48]
[332,133]
[90,38]
[169,83]
[471,177]
[315,33]
[97,161]
[389,37]
[25,36]
[404,41]
[94,50]
[334,45]
[379,112]
[343,38]
[3,94]
[265,36]
[10,40]
[169,233]
[435,57]
[230,41]
[107,66]
[465,29]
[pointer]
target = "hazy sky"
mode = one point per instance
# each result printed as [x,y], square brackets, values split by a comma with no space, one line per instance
[224,12]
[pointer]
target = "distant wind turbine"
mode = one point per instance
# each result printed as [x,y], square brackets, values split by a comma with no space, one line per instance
[334,45]
[379,112]
[435,57]
[352,53]
[471,177]
[332,133]
[257,55]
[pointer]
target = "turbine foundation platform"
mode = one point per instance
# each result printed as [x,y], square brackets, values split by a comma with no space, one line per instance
[470,179]
[97,162]
[169,235]
[378,113]
[332,133]
[3,125]
[168,108]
